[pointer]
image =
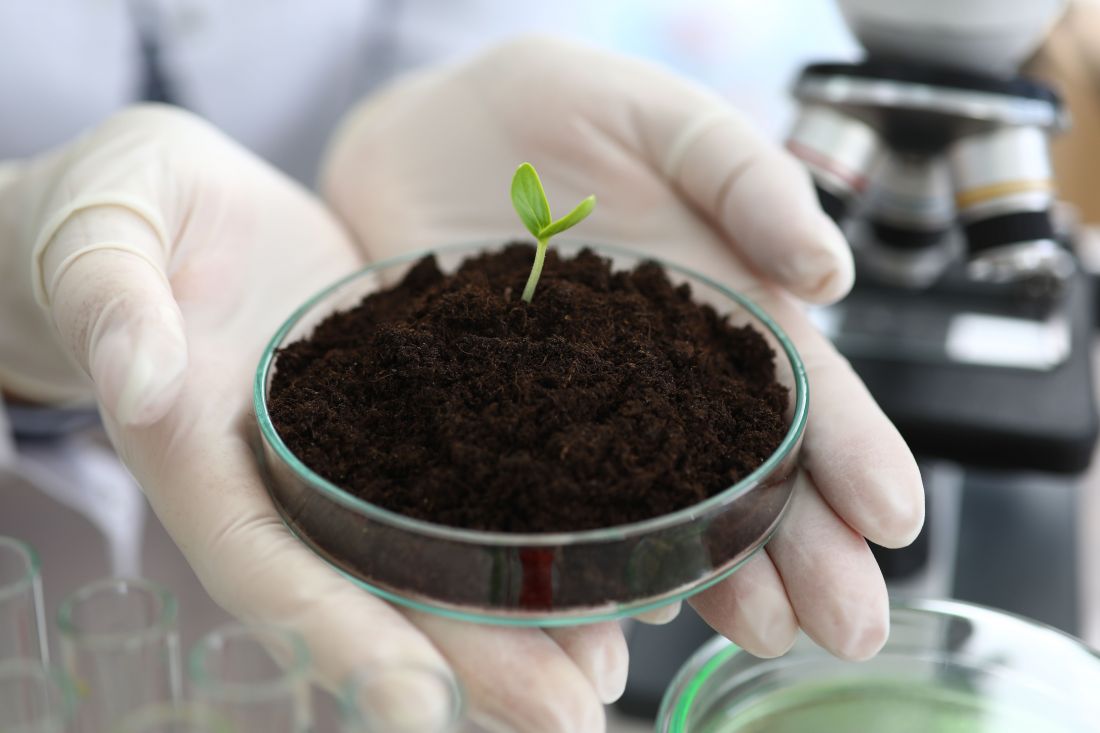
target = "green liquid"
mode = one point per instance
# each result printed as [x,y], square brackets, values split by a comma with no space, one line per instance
[884,707]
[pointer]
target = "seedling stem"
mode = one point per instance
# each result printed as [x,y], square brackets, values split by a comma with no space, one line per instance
[529,200]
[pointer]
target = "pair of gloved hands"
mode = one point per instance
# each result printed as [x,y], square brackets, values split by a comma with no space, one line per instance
[148,262]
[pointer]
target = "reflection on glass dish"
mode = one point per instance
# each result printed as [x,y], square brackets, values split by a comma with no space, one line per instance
[947,668]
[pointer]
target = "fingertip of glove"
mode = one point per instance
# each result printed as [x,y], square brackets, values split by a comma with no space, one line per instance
[820,277]
[610,677]
[822,271]
[903,522]
[856,627]
[660,616]
[404,698]
[866,640]
[892,510]
[772,640]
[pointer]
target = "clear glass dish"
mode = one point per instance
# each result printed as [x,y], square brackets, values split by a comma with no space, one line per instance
[530,579]
[948,667]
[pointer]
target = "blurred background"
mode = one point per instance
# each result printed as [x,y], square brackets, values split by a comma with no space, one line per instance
[1021,534]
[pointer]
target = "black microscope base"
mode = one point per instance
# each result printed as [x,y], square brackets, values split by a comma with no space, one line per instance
[998,417]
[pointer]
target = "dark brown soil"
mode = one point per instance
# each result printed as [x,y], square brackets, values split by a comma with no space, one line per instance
[610,399]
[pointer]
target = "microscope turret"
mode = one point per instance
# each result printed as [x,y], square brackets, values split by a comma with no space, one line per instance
[933,151]
[970,320]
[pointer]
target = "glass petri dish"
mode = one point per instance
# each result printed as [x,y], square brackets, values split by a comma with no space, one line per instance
[948,667]
[543,579]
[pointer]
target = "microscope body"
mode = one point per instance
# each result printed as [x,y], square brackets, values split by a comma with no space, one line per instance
[935,144]
[970,320]
[934,149]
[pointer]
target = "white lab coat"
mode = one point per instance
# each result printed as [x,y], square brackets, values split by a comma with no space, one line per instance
[277,74]
[274,74]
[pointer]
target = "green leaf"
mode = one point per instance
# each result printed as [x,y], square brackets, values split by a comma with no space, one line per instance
[583,209]
[529,199]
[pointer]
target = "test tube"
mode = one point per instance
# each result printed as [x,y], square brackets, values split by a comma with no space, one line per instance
[32,698]
[120,647]
[178,718]
[403,698]
[22,624]
[256,677]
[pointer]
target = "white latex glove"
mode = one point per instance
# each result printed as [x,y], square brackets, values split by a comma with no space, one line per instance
[158,257]
[680,175]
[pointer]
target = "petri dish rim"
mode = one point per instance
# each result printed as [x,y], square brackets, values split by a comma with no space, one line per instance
[58,682]
[709,659]
[547,539]
[190,714]
[558,619]
[33,567]
[297,672]
[164,625]
[350,711]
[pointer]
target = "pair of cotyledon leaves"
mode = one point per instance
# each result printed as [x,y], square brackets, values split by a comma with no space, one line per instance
[529,200]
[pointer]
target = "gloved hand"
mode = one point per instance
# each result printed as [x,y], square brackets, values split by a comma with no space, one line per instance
[158,257]
[679,175]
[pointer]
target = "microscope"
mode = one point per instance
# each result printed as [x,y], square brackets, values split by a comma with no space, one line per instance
[932,155]
[971,319]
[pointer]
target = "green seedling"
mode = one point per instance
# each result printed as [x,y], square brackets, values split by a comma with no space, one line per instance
[534,211]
